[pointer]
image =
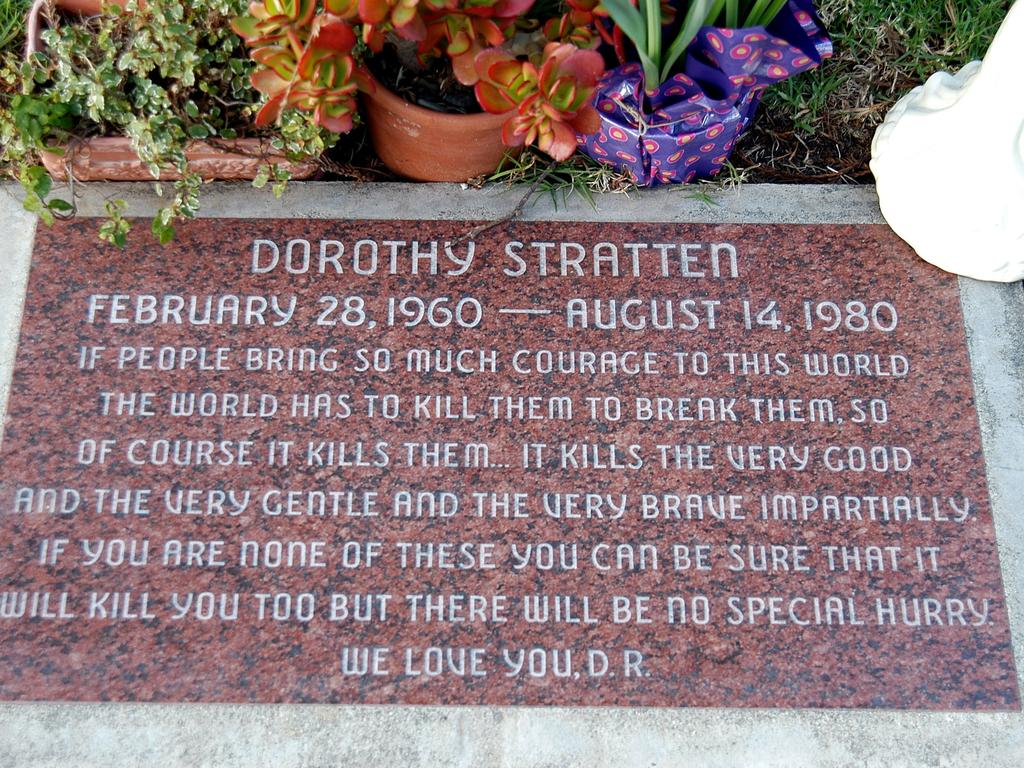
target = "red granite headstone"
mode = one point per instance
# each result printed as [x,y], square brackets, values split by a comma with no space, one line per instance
[573,464]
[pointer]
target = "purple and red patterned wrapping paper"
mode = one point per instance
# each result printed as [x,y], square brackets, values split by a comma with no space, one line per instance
[689,125]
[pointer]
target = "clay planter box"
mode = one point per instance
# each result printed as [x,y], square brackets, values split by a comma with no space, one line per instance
[87,7]
[113,159]
[425,145]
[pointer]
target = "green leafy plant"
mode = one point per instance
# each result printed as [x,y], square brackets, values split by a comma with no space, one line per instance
[37,185]
[164,74]
[743,13]
[12,27]
[560,180]
[644,25]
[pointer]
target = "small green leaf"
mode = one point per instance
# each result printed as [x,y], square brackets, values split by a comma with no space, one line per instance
[262,177]
[164,231]
[61,206]
[33,204]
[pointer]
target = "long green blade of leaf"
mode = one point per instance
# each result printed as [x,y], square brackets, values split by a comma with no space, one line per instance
[732,13]
[716,11]
[628,19]
[694,21]
[652,16]
[773,11]
[756,13]
[650,66]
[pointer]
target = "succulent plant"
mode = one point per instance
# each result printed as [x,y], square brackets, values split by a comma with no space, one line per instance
[466,30]
[580,24]
[459,28]
[568,29]
[305,53]
[403,17]
[550,98]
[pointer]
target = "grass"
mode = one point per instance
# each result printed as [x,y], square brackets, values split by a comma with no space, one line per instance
[818,127]
[12,22]
[579,175]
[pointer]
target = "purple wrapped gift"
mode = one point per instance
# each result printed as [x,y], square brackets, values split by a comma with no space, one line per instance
[688,126]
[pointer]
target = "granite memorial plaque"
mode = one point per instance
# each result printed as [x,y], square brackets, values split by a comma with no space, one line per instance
[541,463]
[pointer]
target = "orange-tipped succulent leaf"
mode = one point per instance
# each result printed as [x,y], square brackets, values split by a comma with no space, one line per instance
[304,49]
[374,11]
[550,105]
[560,143]
[279,71]
[270,111]
[337,118]
[346,9]
[587,121]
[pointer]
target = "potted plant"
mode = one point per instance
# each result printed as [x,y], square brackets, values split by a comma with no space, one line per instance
[531,89]
[416,141]
[674,113]
[158,91]
[689,80]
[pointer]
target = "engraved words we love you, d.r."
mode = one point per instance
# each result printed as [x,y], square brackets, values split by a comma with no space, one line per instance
[545,463]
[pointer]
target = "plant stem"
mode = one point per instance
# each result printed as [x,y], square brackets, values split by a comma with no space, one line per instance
[714,13]
[754,18]
[652,14]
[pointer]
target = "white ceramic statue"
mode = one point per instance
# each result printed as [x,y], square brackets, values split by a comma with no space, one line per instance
[949,163]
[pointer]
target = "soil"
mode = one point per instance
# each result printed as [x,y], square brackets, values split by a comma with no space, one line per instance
[774,150]
[432,86]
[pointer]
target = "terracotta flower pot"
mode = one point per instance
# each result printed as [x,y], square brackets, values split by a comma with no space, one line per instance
[113,159]
[424,145]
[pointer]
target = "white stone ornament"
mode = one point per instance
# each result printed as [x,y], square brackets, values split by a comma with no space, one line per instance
[949,163]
